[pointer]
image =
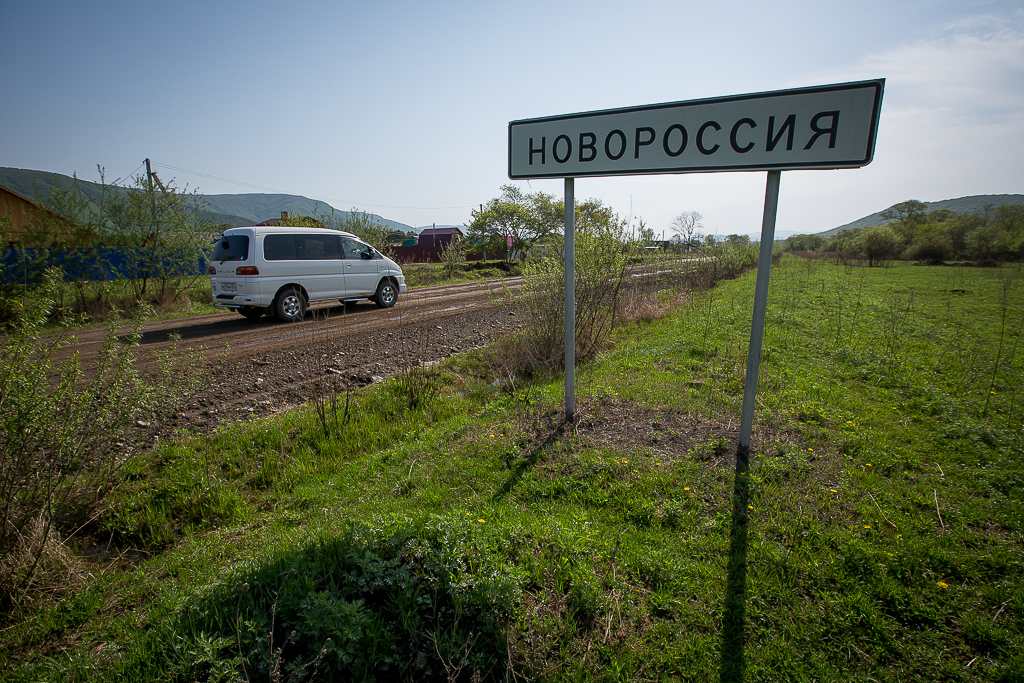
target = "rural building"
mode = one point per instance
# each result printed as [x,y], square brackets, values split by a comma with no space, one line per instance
[27,216]
[439,237]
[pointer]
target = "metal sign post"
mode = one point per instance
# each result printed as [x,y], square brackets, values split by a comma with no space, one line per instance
[764,267]
[570,299]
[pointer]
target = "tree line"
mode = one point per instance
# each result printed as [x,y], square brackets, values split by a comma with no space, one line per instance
[990,235]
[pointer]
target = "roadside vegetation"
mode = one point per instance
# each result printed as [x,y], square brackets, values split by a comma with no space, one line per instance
[989,236]
[135,246]
[447,524]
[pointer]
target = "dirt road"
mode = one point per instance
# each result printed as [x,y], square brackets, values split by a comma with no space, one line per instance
[267,365]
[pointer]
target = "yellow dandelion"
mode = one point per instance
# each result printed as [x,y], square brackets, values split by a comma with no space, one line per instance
[686,488]
[849,422]
[870,465]
[811,450]
[833,491]
[991,392]
[867,526]
[751,507]
[481,521]
[943,584]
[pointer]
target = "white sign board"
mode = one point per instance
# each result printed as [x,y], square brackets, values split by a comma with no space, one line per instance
[829,126]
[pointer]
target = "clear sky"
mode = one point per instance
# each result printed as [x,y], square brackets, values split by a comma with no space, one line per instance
[402,108]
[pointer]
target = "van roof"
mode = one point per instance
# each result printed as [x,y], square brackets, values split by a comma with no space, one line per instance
[285,230]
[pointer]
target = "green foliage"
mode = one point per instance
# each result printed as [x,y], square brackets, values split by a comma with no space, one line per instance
[516,221]
[65,435]
[877,244]
[453,257]
[603,252]
[168,230]
[396,602]
[989,235]
[163,234]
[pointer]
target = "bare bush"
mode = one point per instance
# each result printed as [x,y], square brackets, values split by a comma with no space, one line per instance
[602,263]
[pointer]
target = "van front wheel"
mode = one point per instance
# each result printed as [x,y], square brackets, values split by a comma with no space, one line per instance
[290,306]
[387,294]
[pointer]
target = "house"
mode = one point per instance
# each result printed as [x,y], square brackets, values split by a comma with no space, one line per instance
[26,218]
[439,237]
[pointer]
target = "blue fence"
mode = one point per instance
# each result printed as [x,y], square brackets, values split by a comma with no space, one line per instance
[98,263]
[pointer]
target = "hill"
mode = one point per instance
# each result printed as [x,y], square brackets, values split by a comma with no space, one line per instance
[230,209]
[969,204]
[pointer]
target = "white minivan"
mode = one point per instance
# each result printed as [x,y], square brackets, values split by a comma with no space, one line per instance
[281,270]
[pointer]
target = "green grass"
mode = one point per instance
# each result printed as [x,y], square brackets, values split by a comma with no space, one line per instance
[875,533]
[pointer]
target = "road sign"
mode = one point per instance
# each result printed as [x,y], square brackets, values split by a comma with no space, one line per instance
[827,126]
[822,127]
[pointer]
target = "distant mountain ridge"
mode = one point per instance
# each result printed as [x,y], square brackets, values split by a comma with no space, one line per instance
[232,209]
[960,205]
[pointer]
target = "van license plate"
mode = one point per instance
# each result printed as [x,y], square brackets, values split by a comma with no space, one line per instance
[228,286]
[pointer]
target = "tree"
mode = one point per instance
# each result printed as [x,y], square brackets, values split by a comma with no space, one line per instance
[908,215]
[906,212]
[514,222]
[805,243]
[688,227]
[165,232]
[956,230]
[877,243]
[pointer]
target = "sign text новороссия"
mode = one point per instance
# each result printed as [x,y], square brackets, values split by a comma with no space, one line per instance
[831,126]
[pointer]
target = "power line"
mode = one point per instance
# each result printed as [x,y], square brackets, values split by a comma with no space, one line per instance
[321,199]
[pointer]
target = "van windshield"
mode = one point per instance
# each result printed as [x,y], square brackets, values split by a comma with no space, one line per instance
[231,248]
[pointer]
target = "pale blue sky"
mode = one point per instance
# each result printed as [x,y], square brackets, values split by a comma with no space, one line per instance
[402,108]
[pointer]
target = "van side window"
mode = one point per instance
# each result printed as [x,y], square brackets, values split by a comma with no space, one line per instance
[317,247]
[357,250]
[279,248]
[301,247]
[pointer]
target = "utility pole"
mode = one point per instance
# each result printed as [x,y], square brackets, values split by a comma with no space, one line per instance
[152,195]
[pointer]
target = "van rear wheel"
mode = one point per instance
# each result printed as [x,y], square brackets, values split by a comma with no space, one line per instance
[290,306]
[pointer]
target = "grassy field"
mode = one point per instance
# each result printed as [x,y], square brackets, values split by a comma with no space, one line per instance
[445,526]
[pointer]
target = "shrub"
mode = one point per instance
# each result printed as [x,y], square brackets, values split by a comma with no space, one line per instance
[65,434]
[602,258]
[409,602]
[453,257]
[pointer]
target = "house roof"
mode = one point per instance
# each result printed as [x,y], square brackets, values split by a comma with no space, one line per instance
[441,231]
